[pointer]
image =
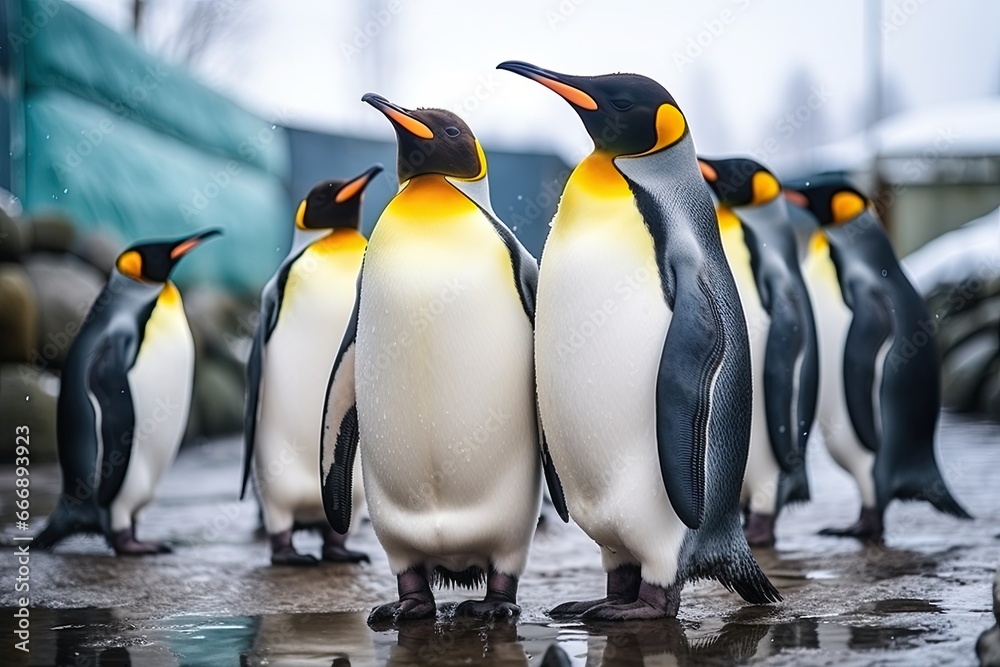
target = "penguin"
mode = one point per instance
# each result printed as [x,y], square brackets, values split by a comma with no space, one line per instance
[880,389]
[759,238]
[642,357]
[124,399]
[304,311]
[434,381]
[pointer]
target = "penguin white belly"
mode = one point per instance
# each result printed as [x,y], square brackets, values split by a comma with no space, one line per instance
[833,320]
[600,327]
[160,381]
[445,397]
[760,483]
[316,306]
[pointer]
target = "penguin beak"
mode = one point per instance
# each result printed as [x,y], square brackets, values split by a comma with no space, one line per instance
[355,187]
[400,117]
[186,245]
[708,171]
[796,198]
[562,84]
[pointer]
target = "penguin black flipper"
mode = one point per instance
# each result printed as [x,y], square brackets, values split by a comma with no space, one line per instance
[692,353]
[341,434]
[526,279]
[108,381]
[870,327]
[270,306]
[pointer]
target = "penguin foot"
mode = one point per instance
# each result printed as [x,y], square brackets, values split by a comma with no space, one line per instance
[125,544]
[654,602]
[759,530]
[412,608]
[488,609]
[283,553]
[868,528]
[339,554]
[624,583]
[581,607]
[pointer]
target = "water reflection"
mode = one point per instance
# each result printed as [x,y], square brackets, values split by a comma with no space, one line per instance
[101,638]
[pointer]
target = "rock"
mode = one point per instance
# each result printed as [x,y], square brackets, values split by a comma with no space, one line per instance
[18,314]
[66,288]
[38,413]
[51,231]
[988,646]
[11,239]
[963,368]
[98,249]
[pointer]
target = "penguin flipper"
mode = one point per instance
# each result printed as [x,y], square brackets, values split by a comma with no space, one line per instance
[692,353]
[869,329]
[808,398]
[341,434]
[785,344]
[552,480]
[270,305]
[108,382]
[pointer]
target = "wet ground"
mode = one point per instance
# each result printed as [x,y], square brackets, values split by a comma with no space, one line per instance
[923,599]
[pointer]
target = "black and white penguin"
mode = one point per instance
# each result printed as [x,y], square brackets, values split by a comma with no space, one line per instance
[880,388]
[435,373]
[304,311]
[124,399]
[642,358]
[759,237]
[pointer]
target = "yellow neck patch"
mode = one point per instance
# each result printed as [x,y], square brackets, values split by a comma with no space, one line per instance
[169,295]
[597,177]
[846,206]
[819,243]
[340,240]
[670,126]
[426,198]
[728,220]
[765,188]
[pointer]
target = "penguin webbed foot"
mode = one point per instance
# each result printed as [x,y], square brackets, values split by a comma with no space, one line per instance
[623,588]
[283,553]
[125,544]
[654,602]
[488,609]
[416,601]
[336,551]
[868,528]
[759,530]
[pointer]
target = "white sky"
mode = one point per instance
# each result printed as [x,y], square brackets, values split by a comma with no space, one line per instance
[286,61]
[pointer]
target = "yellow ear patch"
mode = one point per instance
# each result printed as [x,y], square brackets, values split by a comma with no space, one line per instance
[670,126]
[765,187]
[300,215]
[130,264]
[846,206]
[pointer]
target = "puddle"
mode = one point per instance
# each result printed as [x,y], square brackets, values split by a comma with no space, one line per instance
[103,637]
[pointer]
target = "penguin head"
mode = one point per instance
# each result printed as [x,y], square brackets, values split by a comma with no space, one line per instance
[154,260]
[831,200]
[625,114]
[335,204]
[739,181]
[432,141]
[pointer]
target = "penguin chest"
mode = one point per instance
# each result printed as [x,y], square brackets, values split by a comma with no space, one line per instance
[316,305]
[160,381]
[444,381]
[600,323]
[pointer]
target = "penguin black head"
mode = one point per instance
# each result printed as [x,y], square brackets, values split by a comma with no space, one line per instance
[739,181]
[831,200]
[154,260]
[625,114]
[432,141]
[335,204]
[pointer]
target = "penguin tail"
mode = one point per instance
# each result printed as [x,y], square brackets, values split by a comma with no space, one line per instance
[473,577]
[69,518]
[726,557]
[794,487]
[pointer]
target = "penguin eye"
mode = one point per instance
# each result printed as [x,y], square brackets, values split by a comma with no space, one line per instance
[621,105]
[452,131]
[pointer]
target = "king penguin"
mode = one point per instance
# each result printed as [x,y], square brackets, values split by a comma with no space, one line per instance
[434,380]
[124,399]
[304,312]
[759,237]
[643,364]
[880,388]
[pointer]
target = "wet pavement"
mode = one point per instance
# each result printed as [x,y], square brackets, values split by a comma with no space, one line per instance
[922,599]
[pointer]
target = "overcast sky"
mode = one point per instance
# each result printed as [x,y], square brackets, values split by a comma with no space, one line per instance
[736,67]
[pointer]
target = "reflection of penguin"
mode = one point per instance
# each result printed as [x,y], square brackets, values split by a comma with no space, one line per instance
[759,238]
[124,399]
[458,642]
[445,398]
[881,387]
[310,639]
[667,643]
[304,311]
[642,359]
